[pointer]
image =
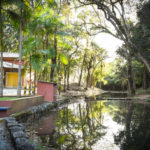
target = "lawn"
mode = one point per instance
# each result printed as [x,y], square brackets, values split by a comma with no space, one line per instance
[7,98]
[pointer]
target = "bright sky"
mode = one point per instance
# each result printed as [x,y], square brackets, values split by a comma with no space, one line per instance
[104,40]
[109,43]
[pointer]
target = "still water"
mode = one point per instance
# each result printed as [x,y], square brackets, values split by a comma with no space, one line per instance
[93,125]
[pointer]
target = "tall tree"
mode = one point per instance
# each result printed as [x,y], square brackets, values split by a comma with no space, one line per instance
[128,56]
[24,16]
[20,52]
[115,13]
[1,52]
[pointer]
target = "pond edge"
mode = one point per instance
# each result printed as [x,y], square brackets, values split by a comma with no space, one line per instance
[16,129]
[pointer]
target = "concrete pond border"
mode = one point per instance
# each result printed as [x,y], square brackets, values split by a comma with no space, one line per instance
[19,104]
[19,138]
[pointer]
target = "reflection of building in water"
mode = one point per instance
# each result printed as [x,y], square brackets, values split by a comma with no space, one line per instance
[47,126]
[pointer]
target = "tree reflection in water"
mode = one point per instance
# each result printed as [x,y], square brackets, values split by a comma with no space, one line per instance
[79,129]
[88,125]
[136,121]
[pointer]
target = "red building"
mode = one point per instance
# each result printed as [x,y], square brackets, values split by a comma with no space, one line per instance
[10,69]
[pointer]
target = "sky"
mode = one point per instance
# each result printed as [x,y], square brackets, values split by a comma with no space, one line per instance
[109,43]
[104,40]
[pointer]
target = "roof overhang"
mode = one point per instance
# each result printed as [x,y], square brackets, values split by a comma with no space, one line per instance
[10,55]
[11,65]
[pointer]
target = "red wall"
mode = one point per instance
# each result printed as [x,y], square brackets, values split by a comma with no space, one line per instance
[15,62]
[5,104]
[48,90]
[20,104]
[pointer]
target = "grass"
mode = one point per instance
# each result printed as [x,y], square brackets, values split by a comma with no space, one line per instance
[142,91]
[38,146]
[7,98]
[148,100]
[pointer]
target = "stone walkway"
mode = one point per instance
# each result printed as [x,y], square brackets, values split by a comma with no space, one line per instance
[5,141]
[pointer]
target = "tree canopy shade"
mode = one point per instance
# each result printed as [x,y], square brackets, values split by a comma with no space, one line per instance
[115,13]
[57,42]
[144,13]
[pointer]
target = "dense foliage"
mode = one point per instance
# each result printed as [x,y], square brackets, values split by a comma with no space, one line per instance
[55,38]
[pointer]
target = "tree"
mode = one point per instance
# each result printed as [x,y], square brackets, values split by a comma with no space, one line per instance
[116,76]
[115,14]
[1,53]
[128,57]
[134,118]
[20,53]
[144,13]
[94,62]
[24,16]
[11,13]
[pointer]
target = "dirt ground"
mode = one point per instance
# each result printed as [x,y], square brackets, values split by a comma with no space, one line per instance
[142,98]
[83,92]
[78,92]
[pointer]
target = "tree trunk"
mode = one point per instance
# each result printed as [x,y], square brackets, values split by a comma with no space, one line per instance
[144,80]
[35,73]
[144,61]
[1,58]
[32,2]
[68,75]
[54,58]
[65,74]
[130,78]
[59,76]
[88,79]
[101,74]
[47,40]
[80,77]
[20,53]
[128,122]
[30,91]
[42,40]
[134,80]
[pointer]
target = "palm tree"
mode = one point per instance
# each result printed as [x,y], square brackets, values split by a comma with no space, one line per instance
[1,52]
[14,17]
[24,9]
[20,53]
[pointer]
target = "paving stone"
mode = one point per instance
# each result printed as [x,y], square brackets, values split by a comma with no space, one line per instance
[15,128]
[5,139]
[19,134]
[23,144]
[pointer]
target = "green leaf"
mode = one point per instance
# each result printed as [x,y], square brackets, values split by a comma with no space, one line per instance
[61,139]
[44,51]
[63,59]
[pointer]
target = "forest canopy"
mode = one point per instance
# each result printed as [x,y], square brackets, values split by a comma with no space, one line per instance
[56,40]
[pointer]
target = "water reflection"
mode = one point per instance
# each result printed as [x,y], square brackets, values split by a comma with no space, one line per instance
[94,125]
[136,121]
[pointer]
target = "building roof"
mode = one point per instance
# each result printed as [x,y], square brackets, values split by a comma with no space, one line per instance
[10,65]
[10,55]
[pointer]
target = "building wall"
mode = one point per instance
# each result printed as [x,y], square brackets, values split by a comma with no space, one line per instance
[6,70]
[20,104]
[15,62]
[48,90]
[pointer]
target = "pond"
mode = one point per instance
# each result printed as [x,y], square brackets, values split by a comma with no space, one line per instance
[93,125]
